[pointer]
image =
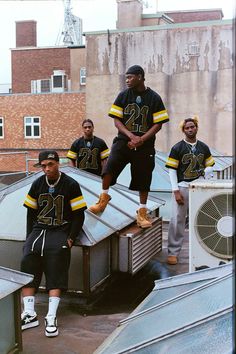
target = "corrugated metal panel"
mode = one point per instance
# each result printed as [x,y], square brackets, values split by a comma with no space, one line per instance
[135,250]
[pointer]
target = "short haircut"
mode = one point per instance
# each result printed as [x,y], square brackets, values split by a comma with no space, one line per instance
[87,121]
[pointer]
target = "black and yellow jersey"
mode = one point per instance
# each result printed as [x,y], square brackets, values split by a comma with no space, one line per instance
[89,154]
[54,209]
[139,111]
[189,161]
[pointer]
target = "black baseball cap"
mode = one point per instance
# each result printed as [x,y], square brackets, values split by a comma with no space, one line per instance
[135,70]
[47,155]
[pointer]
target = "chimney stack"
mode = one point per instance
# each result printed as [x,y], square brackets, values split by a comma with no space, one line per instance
[26,35]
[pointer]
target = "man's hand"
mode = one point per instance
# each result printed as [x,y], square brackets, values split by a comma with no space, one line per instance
[135,142]
[70,242]
[178,197]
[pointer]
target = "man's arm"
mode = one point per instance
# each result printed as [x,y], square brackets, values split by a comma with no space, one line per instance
[76,225]
[30,220]
[72,163]
[103,162]
[174,186]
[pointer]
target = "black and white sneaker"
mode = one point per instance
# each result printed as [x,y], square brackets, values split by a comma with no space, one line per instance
[51,329]
[29,321]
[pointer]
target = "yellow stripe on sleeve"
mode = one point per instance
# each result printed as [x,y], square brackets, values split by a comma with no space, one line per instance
[209,161]
[172,163]
[116,111]
[78,203]
[71,155]
[30,202]
[160,117]
[105,154]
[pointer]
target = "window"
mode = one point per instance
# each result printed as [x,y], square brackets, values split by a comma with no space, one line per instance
[193,49]
[57,81]
[1,127]
[82,76]
[32,127]
[38,86]
[45,86]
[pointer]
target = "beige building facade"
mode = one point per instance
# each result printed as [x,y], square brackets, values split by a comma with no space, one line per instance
[189,64]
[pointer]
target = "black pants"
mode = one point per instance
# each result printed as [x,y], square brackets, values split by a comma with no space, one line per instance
[47,251]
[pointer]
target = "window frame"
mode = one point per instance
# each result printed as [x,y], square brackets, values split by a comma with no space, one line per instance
[82,76]
[2,126]
[32,125]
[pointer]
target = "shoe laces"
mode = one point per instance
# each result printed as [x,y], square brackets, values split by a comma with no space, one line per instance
[51,321]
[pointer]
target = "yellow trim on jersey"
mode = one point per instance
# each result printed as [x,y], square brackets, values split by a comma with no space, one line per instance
[209,161]
[72,155]
[105,154]
[31,202]
[161,116]
[116,111]
[77,203]
[172,163]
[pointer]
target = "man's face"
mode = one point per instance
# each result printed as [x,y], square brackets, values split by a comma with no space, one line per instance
[190,130]
[132,80]
[88,130]
[50,168]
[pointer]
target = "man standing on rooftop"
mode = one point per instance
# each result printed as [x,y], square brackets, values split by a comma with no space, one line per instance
[138,114]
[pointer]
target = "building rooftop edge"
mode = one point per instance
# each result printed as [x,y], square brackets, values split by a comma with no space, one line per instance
[164,26]
[50,47]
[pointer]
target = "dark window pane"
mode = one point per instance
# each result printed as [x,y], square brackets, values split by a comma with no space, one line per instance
[28,131]
[57,81]
[36,120]
[36,131]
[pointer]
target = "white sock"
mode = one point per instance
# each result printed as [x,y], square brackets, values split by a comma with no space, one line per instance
[105,191]
[29,302]
[143,206]
[53,303]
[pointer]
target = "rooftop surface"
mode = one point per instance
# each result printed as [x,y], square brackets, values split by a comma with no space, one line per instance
[82,330]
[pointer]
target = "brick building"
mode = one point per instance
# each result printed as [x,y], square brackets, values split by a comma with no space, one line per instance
[47,104]
[184,54]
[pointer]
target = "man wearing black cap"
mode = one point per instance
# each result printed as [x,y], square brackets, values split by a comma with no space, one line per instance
[55,215]
[138,114]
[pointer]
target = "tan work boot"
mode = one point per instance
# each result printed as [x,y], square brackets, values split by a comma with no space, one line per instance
[101,203]
[143,219]
[172,260]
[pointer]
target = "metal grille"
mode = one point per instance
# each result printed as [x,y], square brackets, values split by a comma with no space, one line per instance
[213,225]
[137,249]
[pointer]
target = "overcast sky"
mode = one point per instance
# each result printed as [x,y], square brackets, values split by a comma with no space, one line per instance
[96,15]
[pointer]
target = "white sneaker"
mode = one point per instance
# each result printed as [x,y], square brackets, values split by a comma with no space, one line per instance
[29,321]
[51,329]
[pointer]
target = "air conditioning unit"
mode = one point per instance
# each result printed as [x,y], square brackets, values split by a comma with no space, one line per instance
[210,223]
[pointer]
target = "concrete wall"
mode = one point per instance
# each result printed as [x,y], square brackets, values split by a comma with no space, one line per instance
[129,13]
[188,84]
[77,61]
[61,116]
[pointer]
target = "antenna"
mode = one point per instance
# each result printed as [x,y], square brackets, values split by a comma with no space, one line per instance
[71,33]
